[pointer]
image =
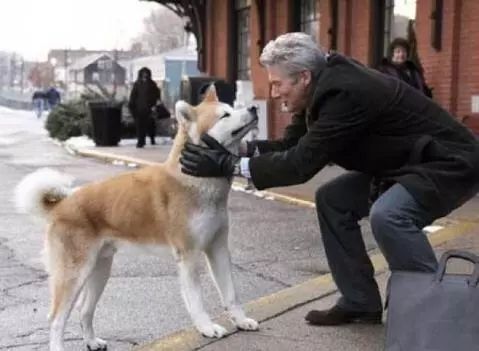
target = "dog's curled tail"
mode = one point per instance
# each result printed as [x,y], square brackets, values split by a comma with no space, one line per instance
[41,191]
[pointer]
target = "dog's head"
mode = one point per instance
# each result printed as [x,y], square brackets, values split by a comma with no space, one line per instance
[225,124]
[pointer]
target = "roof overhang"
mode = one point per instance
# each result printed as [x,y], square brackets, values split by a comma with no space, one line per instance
[194,13]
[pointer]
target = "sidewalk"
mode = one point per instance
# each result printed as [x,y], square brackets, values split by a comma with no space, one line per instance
[303,194]
[282,314]
[287,330]
[127,152]
[290,332]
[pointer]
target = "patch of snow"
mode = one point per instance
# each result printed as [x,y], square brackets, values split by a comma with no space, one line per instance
[80,142]
[118,163]
[432,228]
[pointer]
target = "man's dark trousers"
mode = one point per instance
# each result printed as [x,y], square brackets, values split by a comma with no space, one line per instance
[145,125]
[396,222]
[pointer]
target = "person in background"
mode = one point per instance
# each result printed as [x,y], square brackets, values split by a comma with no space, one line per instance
[38,101]
[53,97]
[143,99]
[397,64]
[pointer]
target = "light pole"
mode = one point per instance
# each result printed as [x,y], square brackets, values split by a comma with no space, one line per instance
[12,70]
[22,71]
[66,69]
[188,29]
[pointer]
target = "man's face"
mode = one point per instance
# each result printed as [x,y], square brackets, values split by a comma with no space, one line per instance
[293,91]
[399,55]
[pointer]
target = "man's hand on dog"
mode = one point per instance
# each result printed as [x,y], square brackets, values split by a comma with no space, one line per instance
[212,161]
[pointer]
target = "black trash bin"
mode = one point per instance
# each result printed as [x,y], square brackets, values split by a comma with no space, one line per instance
[106,123]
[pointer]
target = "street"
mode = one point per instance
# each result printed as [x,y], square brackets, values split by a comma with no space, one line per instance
[274,245]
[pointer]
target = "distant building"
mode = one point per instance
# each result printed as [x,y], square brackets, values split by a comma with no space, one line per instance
[4,69]
[62,60]
[93,69]
[166,68]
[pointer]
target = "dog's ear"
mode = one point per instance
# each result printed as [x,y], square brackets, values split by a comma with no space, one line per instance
[184,112]
[210,95]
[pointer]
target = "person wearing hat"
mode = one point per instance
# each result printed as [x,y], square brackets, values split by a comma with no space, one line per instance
[398,64]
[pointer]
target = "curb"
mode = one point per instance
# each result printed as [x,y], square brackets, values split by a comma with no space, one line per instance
[106,156]
[273,305]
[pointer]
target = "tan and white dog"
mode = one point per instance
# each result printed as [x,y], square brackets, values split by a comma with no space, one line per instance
[154,206]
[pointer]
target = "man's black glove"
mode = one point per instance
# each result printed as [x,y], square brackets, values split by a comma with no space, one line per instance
[211,161]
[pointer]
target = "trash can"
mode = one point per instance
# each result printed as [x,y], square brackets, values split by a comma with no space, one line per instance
[106,123]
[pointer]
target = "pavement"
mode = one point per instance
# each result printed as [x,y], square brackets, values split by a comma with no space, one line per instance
[282,313]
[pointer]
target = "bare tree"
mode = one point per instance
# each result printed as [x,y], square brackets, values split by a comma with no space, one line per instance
[41,75]
[163,30]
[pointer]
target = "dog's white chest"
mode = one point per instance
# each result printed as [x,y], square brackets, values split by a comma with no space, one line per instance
[205,224]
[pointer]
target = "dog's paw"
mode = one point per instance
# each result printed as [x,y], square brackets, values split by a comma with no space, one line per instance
[212,330]
[247,324]
[96,345]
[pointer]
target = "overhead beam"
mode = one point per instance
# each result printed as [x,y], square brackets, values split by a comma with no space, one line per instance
[195,12]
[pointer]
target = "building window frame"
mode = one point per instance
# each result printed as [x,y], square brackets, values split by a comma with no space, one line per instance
[307,17]
[333,30]
[436,24]
[383,17]
[388,14]
[242,15]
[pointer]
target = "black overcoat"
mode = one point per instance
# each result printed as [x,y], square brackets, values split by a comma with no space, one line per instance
[366,121]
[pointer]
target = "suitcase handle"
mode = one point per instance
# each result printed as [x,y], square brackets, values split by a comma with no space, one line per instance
[468,256]
[474,280]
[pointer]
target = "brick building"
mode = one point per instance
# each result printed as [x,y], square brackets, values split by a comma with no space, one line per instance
[231,34]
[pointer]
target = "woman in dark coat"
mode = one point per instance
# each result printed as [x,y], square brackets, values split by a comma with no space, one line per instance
[420,162]
[143,98]
[398,65]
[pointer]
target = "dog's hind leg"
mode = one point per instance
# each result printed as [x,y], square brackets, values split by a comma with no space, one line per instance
[219,262]
[92,292]
[68,273]
[191,292]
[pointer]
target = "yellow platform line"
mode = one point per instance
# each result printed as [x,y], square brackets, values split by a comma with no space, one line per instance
[108,156]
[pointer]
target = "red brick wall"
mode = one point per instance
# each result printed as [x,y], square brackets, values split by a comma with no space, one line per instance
[217,40]
[361,27]
[258,73]
[344,26]
[282,23]
[438,65]
[453,71]
[324,23]
[468,65]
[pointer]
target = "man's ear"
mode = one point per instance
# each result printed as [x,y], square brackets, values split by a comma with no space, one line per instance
[306,77]
[211,94]
[184,113]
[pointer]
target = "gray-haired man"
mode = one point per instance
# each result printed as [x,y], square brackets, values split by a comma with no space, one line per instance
[409,163]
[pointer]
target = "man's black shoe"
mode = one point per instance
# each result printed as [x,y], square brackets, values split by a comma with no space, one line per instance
[337,315]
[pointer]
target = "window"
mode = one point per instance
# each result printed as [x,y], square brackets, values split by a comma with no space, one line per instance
[399,19]
[308,18]
[392,19]
[333,29]
[242,12]
[388,20]
[436,24]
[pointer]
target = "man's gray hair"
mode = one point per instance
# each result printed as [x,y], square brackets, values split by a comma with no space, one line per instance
[294,52]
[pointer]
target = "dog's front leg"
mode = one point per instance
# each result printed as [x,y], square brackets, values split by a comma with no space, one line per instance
[191,291]
[219,260]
